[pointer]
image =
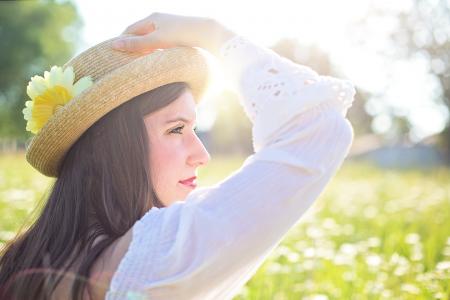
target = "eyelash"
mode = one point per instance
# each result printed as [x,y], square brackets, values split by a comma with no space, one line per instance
[175,130]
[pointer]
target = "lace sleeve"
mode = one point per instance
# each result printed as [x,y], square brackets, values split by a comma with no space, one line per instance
[273,89]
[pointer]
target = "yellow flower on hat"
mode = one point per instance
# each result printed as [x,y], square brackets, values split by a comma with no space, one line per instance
[49,94]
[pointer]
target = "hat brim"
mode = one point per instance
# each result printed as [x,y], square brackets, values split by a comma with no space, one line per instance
[186,64]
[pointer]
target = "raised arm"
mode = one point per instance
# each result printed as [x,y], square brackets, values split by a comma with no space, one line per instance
[210,245]
[163,30]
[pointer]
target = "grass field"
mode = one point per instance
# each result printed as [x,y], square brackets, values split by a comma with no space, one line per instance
[372,234]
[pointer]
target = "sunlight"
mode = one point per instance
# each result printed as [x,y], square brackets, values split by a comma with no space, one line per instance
[330,25]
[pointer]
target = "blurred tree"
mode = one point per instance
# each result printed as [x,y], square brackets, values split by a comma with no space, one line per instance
[425,31]
[34,36]
[421,29]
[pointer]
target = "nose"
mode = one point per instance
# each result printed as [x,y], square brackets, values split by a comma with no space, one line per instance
[199,154]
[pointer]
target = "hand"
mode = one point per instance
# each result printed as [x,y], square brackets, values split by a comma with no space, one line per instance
[162,30]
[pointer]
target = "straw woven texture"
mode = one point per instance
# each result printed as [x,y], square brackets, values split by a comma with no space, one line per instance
[118,77]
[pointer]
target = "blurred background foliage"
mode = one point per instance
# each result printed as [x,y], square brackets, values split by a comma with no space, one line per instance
[422,32]
[38,34]
[34,35]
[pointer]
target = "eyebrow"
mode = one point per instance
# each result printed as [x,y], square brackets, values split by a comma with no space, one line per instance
[178,119]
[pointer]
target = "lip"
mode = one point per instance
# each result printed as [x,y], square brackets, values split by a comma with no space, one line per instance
[189,179]
[189,182]
[189,185]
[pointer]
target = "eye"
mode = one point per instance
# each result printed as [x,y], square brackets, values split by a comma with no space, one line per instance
[177,130]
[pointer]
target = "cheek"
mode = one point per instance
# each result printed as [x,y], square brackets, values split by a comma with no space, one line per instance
[166,161]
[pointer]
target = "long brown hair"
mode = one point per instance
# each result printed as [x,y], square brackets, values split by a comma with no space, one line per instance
[103,188]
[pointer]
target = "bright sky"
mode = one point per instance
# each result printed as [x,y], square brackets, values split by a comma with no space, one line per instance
[323,22]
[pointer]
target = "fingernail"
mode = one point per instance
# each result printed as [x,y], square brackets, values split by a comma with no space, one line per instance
[119,44]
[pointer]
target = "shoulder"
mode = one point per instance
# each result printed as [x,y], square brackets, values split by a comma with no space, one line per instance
[107,264]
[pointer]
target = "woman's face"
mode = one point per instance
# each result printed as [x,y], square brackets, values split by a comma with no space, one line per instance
[175,150]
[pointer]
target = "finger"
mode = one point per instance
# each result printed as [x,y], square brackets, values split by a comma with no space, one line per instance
[141,27]
[142,44]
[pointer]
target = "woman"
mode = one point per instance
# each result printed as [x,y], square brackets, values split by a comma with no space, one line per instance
[124,211]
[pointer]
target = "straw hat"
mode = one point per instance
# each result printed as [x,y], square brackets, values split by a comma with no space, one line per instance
[117,77]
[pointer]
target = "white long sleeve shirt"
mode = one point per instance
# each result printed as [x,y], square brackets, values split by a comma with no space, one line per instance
[211,244]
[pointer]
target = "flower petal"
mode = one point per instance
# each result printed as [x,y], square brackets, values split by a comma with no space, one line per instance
[67,80]
[36,86]
[32,126]
[81,85]
[28,110]
[46,76]
[41,114]
[55,76]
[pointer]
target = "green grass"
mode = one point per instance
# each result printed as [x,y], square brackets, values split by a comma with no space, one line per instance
[372,234]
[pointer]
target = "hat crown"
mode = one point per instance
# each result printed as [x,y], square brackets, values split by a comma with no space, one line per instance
[100,60]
